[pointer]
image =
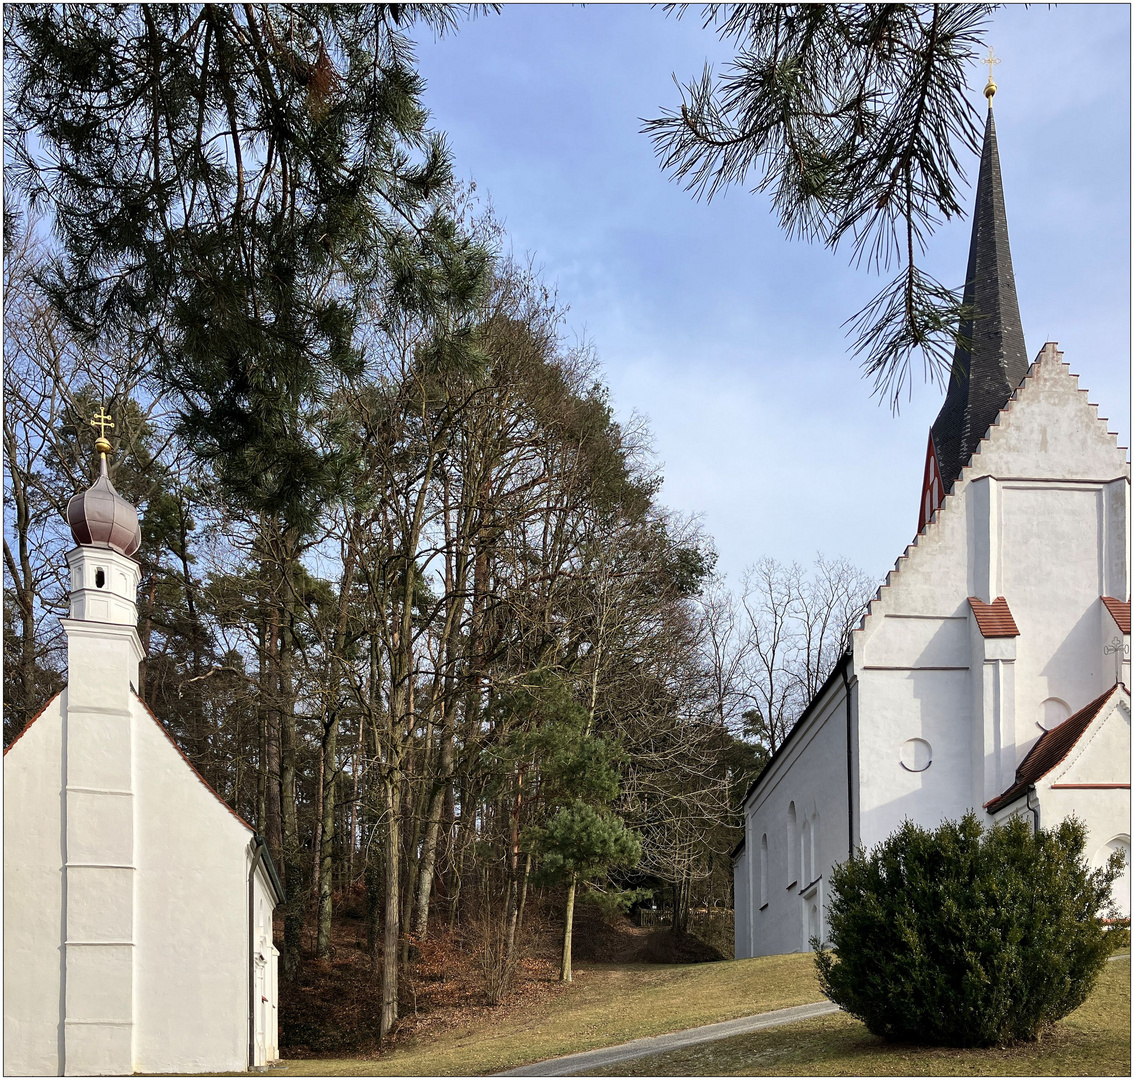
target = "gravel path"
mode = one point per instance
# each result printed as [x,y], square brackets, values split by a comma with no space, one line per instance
[611,1055]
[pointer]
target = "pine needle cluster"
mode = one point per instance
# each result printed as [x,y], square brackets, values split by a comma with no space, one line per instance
[851,117]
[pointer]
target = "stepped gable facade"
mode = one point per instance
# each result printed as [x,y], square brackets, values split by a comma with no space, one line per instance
[991,670]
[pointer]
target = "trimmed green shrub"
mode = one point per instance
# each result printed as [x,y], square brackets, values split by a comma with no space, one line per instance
[964,937]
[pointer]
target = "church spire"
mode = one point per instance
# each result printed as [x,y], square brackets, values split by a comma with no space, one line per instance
[991,359]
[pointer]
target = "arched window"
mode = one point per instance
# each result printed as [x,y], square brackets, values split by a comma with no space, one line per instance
[763,869]
[805,860]
[1120,889]
[816,857]
[792,846]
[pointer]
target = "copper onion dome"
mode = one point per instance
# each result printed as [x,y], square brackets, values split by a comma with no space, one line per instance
[100,517]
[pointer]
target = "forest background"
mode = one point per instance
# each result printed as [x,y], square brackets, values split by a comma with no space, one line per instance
[411,601]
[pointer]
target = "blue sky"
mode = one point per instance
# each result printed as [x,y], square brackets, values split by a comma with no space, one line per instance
[726,335]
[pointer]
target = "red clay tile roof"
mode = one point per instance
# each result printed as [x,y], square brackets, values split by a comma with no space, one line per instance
[994,620]
[1051,748]
[1120,612]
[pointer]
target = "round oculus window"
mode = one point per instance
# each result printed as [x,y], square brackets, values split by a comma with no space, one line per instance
[916,755]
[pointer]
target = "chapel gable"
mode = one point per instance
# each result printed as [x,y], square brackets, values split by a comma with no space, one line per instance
[1101,756]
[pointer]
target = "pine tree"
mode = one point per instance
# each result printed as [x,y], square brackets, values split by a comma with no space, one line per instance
[853,117]
[241,184]
[242,188]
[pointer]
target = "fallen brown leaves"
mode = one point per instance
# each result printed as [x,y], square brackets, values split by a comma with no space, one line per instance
[334,1006]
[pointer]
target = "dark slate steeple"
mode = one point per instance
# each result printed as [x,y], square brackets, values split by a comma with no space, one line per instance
[987,372]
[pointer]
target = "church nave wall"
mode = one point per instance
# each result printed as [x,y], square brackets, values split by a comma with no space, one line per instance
[795,831]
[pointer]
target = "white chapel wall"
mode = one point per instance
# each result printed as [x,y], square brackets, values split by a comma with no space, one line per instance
[742,902]
[192,1004]
[913,660]
[33,897]
[801,808]
[1054,534]
[901,779]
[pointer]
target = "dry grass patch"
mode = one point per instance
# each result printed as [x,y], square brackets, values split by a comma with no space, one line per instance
[606,1005]
[1093,1041]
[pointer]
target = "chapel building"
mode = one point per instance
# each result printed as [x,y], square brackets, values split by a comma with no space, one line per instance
[137,904]
[992,668]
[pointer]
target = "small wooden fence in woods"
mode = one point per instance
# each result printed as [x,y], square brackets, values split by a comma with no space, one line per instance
[664,916]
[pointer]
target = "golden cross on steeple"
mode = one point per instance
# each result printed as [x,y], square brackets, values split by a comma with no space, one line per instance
[991,61]
[102,421]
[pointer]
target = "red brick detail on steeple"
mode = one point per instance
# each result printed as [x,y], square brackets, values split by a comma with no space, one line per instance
[994,620]
[932,492]
[1119,612]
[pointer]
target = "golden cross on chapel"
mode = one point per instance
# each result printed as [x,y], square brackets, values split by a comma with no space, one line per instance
[991,61]
[102,421]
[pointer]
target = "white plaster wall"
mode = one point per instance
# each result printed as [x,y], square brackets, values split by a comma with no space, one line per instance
[1106,814]
[1053,540]
[812,773]
[1041,516]
[895,706]
[192,995]
[1100,757]
[33,898]
[265,956]
[742,905]
[1051,431]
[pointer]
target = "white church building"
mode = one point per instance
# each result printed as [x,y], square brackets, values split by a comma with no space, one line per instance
[991,670]
[137,904]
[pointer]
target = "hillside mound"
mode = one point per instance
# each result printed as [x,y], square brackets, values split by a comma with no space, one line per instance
[333,1007]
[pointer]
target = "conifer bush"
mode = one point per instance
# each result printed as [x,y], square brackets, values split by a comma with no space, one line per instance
[965,937]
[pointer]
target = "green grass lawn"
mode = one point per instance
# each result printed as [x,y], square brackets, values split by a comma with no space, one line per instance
[607,1005]
[1093,1041]
[611,1004]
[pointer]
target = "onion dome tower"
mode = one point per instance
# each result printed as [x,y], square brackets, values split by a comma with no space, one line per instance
[100,516]
[104,576]
[990,360]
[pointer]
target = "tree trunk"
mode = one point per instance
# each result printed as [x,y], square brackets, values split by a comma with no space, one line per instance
[352,847]
[565,968]
[514,862]
[524,893]
[317,840]
[432,836]
[372,872]
[293,855]
[326,840]
[391,928]
[269,692]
